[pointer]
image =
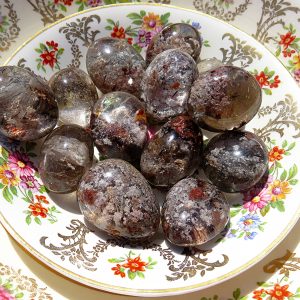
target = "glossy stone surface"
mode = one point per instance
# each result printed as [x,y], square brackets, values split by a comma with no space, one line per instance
[194,212]
[224,98]
[75,94]
[117,199]
[208,64]
[119,126]
[167,83]
[66,155]
[114,65]
[28,110]
[173,152]
[180,36]
[235,161]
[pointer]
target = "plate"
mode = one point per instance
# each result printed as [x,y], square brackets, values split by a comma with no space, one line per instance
[51,227]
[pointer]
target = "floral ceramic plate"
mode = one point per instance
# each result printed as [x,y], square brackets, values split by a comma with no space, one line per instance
[51,226]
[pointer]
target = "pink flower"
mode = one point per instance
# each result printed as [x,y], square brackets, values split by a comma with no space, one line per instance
[29,183]
[4,295]
[254,201]
[21,164]
[144,38]
[297,76]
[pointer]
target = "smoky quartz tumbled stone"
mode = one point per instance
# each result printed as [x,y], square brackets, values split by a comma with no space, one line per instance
[194,212]
[75,94]
[167,83]
[66,155]
[180,36]
[224,98]
[117,199]
[28,110]
[114,65]
[235,161]
[119,126]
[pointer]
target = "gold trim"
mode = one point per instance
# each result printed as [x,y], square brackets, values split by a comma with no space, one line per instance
[130,291]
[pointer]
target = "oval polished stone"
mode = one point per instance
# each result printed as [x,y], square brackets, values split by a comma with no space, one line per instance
[209,64]
[173,152]
[75,94]
[66,155]
[117,199]
[224,98]
[114,65]
[180,36]
[235,161]
[194,213]
[167,83]
[28,110]
[119,126]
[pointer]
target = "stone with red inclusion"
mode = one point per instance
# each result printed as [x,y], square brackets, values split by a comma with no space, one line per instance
[224,98]
[167,83]
[180,36]
[194,212]
[117,199]
[173,152]
[114,65]
[28,110]
[119,126]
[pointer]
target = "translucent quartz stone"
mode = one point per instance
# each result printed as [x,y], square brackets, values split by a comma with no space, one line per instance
[28,110]
[180,36]
[66,155]
[224,98]
[117,199]
[119,126]
[209,64]
[167,83]
[75,94]
[194,212]
[173,152]
[235,161]
[114,65]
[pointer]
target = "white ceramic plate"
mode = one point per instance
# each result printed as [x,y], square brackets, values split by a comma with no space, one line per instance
[51,226]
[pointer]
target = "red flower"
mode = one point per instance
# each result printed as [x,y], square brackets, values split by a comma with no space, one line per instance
[41,198]
[279,292]
[275,82]
[276,154]
[129,41]
[118,270]
[118,33]
[52,45]
[66,2]
[288,53]
[49,58]
[286,40]
[38,210]
[135,264]
[257,294]
[262,79]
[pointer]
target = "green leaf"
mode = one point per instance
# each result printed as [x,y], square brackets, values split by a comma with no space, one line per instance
[110,21]
[140,274]
[133,16]
[108,27]
[278,164]
[287,153]
[4,153]
[115,260]
[30,195]
[1,186]
[142,13]
[280,206]
[271,74]
[292,172]
[63,8]
[131,275]
[150,267]
[267,91]
[7,195]
[293,181]
[283,175]
[284,143]
[19,295]
[261,228]
[37,220]
[164,18]
[28,219]
[137,22]
[291,146]
[26,199]
[236,294]
[241,234]
[38,50]
[42,189]
[137,48]
[43,47]
[81,7]
[233,213]
[60,51]
[265,210]
[278,51]
[14,191]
